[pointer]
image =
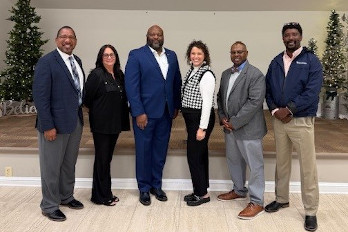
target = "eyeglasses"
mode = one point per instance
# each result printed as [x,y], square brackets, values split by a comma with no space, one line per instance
[71,37]
[291,24]
[236,52]
[111,55]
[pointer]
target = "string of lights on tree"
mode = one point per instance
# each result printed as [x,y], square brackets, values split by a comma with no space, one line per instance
[312,46]
[334,58]
[23,51]
[345,21]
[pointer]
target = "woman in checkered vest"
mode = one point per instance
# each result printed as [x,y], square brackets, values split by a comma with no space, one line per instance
[197,108]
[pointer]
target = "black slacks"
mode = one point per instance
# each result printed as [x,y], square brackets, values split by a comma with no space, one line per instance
[104,145]
[197,151]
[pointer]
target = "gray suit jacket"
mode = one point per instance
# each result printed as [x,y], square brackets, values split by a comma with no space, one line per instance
[245,103]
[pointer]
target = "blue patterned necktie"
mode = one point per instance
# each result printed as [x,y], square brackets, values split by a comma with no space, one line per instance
[76,78]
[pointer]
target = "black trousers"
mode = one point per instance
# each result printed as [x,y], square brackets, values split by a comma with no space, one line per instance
[104,145]
[197,151]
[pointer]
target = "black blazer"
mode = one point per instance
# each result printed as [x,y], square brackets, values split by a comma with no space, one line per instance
[107,102]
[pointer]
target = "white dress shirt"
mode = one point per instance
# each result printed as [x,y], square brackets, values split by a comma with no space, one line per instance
[66,60]
[161,60]
[232,79]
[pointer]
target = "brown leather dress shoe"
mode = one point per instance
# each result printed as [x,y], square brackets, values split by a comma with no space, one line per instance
[251,211]
[230,196]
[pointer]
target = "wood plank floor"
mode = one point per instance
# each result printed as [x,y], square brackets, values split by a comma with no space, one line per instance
[19,211]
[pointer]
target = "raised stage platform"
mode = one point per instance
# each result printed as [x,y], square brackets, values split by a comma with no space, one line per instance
[18,149]
[331,136]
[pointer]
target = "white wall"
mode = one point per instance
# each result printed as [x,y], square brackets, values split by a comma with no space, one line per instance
[126,30]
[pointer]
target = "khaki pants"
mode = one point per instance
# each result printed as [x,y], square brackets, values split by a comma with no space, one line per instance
[299,132]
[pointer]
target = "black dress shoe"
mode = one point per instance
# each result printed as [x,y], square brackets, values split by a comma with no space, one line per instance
[275,206]
[198,201]
[311,223]
[189,197]
[74,204]
[144,198]
[159,193]
[56,215]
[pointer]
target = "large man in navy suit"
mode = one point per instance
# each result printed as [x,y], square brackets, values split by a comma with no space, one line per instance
[153,82]
[57,92]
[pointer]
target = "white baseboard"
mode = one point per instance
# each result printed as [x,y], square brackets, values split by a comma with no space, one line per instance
[173,184]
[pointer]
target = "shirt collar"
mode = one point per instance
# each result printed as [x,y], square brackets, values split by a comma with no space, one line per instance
[64,55]
[155,52]
[240,68]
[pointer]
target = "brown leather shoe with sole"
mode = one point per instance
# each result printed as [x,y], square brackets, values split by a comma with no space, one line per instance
[251,211]
[230,196]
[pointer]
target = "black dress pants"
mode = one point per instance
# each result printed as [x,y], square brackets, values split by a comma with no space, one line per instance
[197,151]
[104,145]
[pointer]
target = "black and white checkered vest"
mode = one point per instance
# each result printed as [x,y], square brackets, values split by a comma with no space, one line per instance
[190,94]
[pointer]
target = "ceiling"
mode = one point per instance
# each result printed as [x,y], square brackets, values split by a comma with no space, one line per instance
[195,5]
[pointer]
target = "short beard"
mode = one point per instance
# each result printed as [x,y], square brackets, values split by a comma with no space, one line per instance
[155,46]
[297,46]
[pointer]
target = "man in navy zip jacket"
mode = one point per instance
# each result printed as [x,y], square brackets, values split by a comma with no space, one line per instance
[293,84]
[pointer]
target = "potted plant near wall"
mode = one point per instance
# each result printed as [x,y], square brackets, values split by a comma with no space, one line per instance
[334,66]
[22,53]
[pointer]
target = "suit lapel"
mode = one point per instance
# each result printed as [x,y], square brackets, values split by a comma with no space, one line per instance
[170,59]
[225,83]
[66,70]
[153,59]
[240,77]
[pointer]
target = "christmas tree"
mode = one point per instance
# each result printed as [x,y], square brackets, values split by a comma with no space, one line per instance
[312,46]
[23,52]
[334,57]
[345,43]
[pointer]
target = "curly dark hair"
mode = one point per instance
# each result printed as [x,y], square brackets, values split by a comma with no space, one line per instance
[198,44]
[99,62]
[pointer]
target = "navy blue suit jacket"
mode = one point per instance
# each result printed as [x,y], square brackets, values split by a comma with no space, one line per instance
[55,95]
[147,90]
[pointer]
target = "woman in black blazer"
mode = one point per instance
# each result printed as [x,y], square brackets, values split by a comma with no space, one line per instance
[108,116]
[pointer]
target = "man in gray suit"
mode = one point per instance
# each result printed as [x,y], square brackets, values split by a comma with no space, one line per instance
[240,101]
